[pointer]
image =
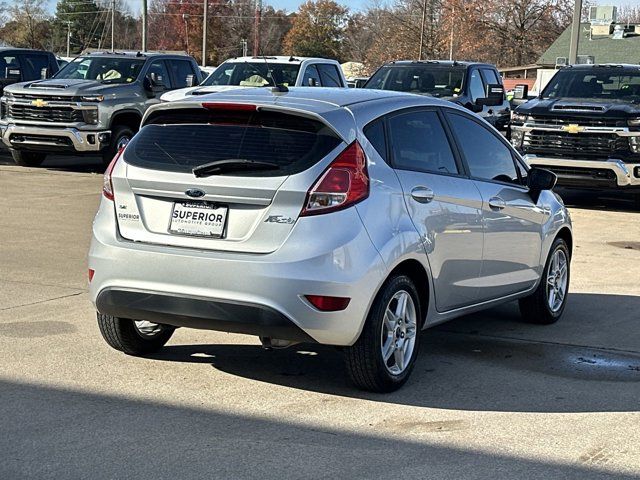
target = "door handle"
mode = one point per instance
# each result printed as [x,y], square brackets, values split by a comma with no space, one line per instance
[422,194]
[497,203]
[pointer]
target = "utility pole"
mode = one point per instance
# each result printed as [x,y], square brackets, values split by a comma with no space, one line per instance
[68,39]
[243,44]
[453,14]
[575,32]
[113,25]
[424,14]
[144,25]
[256,29]
[185,17]
[204,33]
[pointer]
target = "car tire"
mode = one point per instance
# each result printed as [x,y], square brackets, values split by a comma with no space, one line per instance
[120,136]
[365,360]
[28,159]
[129,337]
[544,306]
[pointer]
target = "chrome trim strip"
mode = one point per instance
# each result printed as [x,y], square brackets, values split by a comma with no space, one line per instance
[622,170]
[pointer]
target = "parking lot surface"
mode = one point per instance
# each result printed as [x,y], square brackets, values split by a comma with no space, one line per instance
[491,397]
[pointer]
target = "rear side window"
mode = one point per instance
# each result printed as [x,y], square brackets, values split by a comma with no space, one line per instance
[375,134]
[178,141]
[329,75]
[8,62]
[34,65]
[418,142]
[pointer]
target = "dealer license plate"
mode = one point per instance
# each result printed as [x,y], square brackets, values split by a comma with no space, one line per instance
[199,219]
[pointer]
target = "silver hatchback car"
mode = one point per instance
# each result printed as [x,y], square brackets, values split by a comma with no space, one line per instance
[353,218]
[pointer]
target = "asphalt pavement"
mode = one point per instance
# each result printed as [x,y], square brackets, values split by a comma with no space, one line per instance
[490,397]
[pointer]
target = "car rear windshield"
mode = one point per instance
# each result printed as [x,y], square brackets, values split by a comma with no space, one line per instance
[179,140]
[434,80]
[596,82]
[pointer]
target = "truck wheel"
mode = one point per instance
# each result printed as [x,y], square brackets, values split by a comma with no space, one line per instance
[134,337]
[28,159]
[546,305]
[383,357]
[120,136]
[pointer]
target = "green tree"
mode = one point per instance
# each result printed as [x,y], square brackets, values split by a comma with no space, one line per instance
[318,30]
[86,20]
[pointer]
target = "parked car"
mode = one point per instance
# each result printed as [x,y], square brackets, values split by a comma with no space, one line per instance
[21,64]
[321,215]
[251,72]
[476,86]
[585,127]
[92,106]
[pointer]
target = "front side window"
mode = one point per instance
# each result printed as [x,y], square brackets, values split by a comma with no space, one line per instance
[109,70]
[491,76]
[487,157]
[181,70]
[253,74]
[35,66]
[311,77]
[8,62]
[418,142]
[158,71]
[476,87]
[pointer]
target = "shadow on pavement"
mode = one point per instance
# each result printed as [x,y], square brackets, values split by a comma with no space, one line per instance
[55,433]
[71,164]
[490,361]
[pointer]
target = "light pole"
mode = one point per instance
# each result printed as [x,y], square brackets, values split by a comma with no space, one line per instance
[113,24]
[68,39]
[144,25]
[575,32]
[185,17]
[204,33]
[424,13]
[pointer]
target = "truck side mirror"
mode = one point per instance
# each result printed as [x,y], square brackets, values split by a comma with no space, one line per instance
[521,92]
[494,96]
[312,82]
[44,73]
[192,81]
[13,73]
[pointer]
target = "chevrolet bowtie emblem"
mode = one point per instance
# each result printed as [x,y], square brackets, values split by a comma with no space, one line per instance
[39,103]
[573,128]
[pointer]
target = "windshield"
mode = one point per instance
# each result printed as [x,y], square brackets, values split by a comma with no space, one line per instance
[433,80]
[253,74]
[611,83]
[102,69]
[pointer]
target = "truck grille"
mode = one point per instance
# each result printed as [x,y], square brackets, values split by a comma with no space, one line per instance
[45,114]
[575,145]
[583,122]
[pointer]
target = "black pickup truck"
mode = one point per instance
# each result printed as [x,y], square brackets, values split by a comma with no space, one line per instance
[23,64]
[476,86]
[585,127]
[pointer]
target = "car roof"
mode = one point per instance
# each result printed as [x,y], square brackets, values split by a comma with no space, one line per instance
[294,60]
[22,50]
[605,65]
[133,54]
[442,63]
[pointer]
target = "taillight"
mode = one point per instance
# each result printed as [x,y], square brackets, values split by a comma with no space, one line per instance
[107,184]
[91,274]
[237,107]
[343,184]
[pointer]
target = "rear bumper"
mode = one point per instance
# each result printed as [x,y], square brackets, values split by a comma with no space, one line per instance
[205,313]
[262,294]
[606,174]
[64,139]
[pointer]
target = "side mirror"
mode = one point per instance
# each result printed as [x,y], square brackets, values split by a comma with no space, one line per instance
[540,179]
[494,96]
[13,73]
[44,73]
[521,92]
[474,107]
[192,81]
[312,82]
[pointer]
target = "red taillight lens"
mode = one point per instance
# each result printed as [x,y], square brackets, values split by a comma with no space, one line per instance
[343,184]
[107,184]
[91,274]
[328,304]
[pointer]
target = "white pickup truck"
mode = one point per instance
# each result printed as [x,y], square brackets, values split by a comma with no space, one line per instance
[250,72]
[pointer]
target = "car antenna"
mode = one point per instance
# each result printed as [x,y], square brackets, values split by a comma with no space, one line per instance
[277,88]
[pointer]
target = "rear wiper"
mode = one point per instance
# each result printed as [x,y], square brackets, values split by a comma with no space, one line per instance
[230,165]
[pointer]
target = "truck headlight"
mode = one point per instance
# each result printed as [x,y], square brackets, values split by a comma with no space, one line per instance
[516,138]
[90,116]
[92,98]
[519,117]
[634,122]
[634,143]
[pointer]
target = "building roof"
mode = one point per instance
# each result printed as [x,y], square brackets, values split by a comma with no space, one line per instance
[605,49]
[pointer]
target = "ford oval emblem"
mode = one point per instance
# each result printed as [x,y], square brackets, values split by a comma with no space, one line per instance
[195,193]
